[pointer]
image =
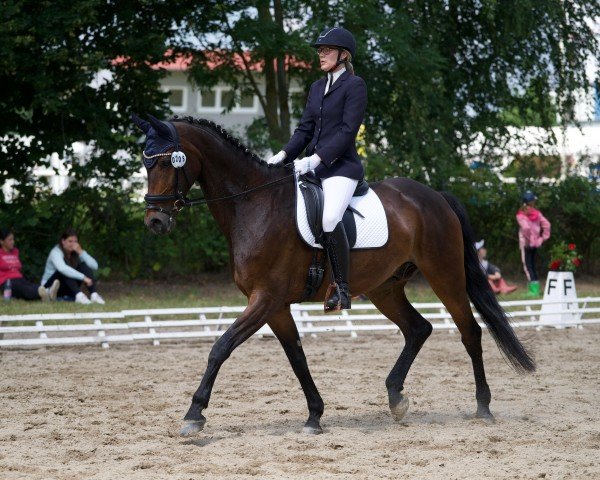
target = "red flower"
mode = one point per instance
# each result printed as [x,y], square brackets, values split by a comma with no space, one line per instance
[576,262]
[555,264]
[572,246]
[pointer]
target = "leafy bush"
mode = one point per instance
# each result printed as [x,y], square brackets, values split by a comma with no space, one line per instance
[110,226]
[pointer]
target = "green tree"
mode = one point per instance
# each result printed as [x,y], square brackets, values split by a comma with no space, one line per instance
[252,47]
[441,74]
[74,71]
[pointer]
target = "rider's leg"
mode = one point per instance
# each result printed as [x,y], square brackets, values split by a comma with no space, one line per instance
[337,192]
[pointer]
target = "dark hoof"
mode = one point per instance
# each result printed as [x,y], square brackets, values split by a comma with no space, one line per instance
[312,427]
[398,405]
[192,427]
[484,414]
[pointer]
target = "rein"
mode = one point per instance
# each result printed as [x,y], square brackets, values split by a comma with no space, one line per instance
[181,201]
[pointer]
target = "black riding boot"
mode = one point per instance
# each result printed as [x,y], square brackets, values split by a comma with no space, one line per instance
[338,251]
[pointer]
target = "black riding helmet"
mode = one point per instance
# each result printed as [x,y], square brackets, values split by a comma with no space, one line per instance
[336,37]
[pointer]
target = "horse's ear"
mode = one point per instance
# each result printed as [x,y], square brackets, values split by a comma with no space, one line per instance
[143,125]
[160,127]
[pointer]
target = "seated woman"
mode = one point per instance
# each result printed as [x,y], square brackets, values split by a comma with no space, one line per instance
[73,266]
[492,271]
[10,269]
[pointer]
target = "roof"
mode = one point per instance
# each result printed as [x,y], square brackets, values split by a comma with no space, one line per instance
[181,62]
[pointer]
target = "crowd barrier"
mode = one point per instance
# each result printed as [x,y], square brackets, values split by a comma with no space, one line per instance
[154,326]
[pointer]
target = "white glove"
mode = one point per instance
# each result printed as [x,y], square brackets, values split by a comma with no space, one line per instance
[278,158]
[307,164]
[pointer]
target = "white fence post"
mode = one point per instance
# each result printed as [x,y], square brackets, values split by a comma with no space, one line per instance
[349,323]
[151,330]
[40,324]
[101,333]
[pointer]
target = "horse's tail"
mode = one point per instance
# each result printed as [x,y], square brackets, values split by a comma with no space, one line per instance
[484,299]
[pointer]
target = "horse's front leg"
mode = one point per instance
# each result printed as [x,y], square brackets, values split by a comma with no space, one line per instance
[254,317]
[285,330]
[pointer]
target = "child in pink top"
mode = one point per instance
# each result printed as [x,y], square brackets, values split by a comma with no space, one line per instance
[534,229]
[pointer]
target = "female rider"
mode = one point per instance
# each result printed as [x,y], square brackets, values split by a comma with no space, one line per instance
[334,111]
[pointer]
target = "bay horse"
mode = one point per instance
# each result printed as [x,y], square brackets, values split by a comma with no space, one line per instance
[254,206]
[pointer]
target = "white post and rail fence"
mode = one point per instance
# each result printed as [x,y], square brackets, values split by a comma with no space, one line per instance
[177,324]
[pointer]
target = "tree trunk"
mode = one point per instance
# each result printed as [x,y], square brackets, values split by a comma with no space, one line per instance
[282,81]
[271,96]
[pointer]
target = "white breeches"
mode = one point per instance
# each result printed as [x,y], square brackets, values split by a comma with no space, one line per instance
[337,193]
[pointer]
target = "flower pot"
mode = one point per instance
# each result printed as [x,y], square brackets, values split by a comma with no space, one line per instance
[560,296]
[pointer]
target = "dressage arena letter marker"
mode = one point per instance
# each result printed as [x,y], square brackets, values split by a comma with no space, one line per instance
[560,296]
[178,159]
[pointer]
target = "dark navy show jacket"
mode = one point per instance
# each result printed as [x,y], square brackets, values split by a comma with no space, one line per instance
[329,126]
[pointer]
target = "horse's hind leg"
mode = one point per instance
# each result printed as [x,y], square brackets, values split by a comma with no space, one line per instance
[285,330]
[391,300]
[447,279]
[254,317]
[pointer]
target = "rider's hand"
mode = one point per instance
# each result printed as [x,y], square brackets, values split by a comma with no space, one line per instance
[278,158]
[307,164]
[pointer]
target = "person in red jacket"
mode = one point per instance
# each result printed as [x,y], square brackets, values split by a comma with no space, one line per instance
[10,269]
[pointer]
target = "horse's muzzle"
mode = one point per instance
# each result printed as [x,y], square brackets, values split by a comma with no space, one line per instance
[159,222]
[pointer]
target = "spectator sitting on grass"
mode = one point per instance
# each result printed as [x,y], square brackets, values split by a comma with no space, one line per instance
[10,269]
[493,273]
[73,266]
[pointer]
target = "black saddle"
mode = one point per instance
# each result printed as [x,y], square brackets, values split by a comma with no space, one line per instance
[312,191]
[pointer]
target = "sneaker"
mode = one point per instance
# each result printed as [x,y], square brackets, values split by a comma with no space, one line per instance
[81,298]
[96,298]
[43,293]
[53,290]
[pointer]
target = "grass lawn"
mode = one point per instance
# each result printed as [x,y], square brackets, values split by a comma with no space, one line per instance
[211,290]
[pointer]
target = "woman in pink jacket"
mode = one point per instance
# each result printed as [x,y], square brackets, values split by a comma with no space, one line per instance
[534,229]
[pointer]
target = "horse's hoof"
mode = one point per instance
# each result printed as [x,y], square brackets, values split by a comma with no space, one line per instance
[399,407]
[192,427]
[312,429]
[484,414]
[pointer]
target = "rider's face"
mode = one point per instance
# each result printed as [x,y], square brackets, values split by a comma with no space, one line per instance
[328,57]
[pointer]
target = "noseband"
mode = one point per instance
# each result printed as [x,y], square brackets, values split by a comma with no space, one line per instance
[177,195]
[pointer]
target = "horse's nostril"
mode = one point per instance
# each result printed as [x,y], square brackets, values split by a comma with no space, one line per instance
[156,225]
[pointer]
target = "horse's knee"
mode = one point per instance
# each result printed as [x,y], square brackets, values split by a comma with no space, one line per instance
[218,354]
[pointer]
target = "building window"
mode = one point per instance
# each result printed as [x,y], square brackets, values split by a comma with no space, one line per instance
[222,98]
[177,99]
[208,99]
[247,101]
[227,98]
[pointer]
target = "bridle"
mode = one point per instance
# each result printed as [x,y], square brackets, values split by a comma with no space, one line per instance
[178,160]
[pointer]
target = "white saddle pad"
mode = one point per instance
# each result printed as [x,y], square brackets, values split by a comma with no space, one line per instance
[371,231]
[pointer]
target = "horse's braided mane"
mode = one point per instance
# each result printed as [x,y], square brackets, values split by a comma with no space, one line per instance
[224,134]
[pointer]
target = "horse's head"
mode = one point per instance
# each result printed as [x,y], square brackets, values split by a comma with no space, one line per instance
[170,173]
